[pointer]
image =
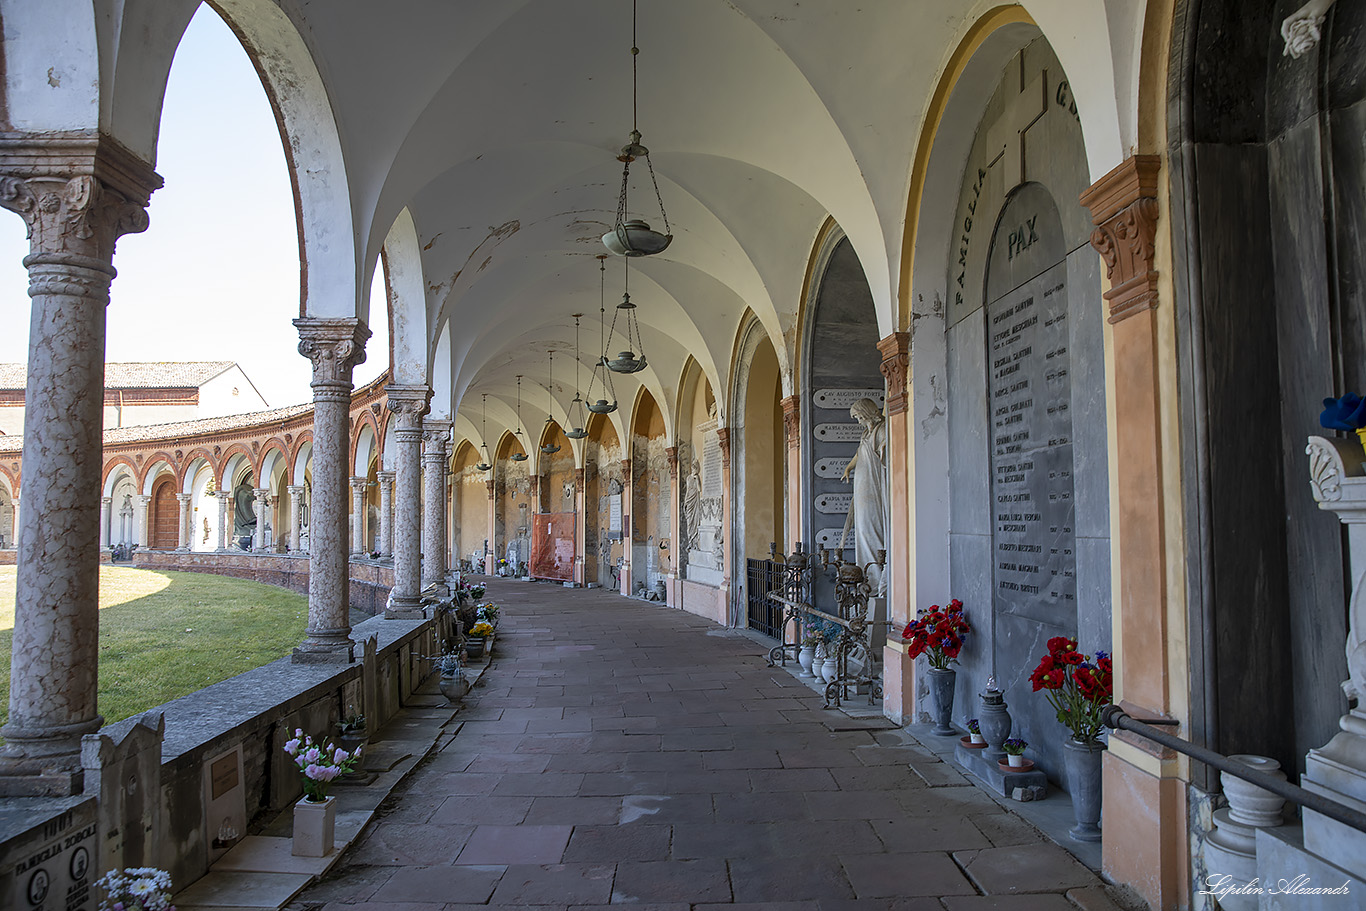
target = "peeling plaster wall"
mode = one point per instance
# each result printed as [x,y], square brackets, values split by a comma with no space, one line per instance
[471,530]
[513,511]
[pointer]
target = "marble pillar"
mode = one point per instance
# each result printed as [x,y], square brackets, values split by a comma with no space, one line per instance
[77,194]
[224,518]
[408,404]
[580,526]
[491,553]
[335,347]
[357,533]
[436,436]
[628,504]
[262,505]
[185,499]
[676,554]
[141,505]
[106,513]
[1144,795]
[296,509]
[386,514]
[898,667]
[730,605]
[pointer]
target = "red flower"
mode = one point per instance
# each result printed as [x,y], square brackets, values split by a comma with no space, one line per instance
[1059,644]
[1072,658]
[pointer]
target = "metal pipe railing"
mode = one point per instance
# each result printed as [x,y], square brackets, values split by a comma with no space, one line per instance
[1112,716]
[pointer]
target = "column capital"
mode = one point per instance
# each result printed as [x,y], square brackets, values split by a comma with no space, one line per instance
[723,438]
[386,477]
[490,484]
[896,362]
[358,484]
[792,420]
[142,500]
[295,490]
[222,494]
[77,192]
[580,475]
[436,436]
[184,497]
[408,403]
[1123,207]
[107,501]
[671,454]
[335,347]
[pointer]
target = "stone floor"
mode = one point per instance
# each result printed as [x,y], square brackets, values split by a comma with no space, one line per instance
[619,752]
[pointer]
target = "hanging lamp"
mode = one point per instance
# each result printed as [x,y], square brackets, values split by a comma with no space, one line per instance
[633,236]
[521,455]
[577,407]
[486,464]
[626,361]
[550,448]
[602,406]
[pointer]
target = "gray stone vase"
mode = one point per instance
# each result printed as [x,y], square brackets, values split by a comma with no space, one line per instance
[1082,764]
[993,720]
[941,693]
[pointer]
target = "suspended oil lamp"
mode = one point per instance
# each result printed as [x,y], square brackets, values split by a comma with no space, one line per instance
[550,448]
[602,406]
[486,464]
[577,407]
[634,236]
[520,455]
[626,361]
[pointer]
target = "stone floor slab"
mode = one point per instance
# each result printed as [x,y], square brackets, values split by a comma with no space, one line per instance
[466,884]
[893,875]
[1027,868]
[232,890]
[555,884]
[692,881]
[528,844]
[611,844]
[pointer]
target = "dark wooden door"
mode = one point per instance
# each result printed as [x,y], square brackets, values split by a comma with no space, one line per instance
[164,533]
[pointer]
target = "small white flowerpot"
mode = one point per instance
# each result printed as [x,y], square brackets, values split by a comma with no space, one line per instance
[976,738]
[315,825]
[1015,761]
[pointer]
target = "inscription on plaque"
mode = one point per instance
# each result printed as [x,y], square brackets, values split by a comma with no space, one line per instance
[829,538]
[841,399]
[834,503]
[712,485]
[1030,392]
[830,468]
[838,433]
[223,776]
[614,513]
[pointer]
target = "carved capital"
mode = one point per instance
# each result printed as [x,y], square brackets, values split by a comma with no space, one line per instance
[77,192]
[896,362]
[723,438]
[792,420]
[579,476]
[358,485]
[491,485]
[1123,207]
[436,436]
[1331,461]
[335,346]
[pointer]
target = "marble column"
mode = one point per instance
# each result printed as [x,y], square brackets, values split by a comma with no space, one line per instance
[491,554]
[106,511]
[899,685]
[358,517]
[436,436]
[224,519]
[729,605]
[141,504]
[386,514]
[258,535]
[408,404]
[627,536]
[580,526]
[78,195]
[185,500]
[296,510]
[1144,795]
[335,347]
[675,525]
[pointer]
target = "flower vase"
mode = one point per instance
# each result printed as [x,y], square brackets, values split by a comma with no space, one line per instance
[805,657]
[315,825]
[474,647]
[1082,764]
[993,719]
[941,682]
[453,687]
[830,669]
[1248,804]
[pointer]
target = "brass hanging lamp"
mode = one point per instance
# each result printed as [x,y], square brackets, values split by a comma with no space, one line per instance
[486,464]
[519,456]
[550,448]
[626,361]
[602,406]
[577,408]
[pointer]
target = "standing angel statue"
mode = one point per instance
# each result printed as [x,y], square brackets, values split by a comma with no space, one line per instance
[868,510]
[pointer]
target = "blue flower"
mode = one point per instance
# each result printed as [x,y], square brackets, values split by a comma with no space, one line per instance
[1346,413]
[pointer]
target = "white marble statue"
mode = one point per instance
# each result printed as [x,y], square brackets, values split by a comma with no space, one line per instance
[1301,29]
[868,510]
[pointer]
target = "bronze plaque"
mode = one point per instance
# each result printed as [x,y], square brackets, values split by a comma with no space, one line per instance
[223,775]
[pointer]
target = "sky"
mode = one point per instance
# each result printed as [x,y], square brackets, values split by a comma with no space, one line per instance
[216,275]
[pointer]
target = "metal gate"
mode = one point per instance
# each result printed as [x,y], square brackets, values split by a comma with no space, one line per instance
[762,577]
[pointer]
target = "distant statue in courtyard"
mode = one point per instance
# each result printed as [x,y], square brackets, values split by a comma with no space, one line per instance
[243,511]
[868,509]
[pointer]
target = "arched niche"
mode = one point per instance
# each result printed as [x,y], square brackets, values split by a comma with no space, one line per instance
[603,488]
[469,491]
[651,493]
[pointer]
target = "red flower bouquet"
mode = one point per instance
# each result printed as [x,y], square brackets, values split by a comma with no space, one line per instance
[1075,686]
[938,632]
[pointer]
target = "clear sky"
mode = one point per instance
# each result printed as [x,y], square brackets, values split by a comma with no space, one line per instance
[216,276]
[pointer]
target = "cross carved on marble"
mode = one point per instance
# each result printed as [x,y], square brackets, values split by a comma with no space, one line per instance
[1006,137]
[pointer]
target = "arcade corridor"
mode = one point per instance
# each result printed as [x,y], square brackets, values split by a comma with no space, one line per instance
[618,752]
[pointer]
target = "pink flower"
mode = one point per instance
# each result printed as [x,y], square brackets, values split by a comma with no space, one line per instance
[312,755]
[292,748]
[340,756]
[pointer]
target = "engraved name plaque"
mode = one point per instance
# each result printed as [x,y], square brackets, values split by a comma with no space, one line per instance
[830,468]
[838,433]
[841,399]
[834,503]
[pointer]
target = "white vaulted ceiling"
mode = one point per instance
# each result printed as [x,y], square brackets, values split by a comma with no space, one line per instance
[489,131]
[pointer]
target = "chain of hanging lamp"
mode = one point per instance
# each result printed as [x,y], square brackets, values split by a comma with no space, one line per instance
[485,465]
[550,448]
[520,455]
[576,408]
[635,237]
[602,406]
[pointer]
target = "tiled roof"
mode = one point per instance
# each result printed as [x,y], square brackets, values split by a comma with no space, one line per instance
[181,429]
[156,375]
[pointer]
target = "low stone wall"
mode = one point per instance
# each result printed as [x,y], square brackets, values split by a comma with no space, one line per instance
[370,579]
[8,556]
[704,600]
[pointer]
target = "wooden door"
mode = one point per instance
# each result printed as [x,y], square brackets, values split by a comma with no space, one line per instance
[165,516]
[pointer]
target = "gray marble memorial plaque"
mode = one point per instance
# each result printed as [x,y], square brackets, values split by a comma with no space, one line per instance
[712,484]
[834,503]
[831,468]
[841,399]
[838,433]
[829,538]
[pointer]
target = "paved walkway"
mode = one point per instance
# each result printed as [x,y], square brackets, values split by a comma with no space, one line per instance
[620,752]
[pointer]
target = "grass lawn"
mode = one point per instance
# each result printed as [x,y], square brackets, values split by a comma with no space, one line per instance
[165,634]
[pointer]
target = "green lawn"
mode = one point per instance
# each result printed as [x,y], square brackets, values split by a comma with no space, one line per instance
[166,634]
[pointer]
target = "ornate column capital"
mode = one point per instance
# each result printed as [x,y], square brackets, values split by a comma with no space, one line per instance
[408,404]
[77,192]
[184,497]
[723,438]
[1123,207]
[896,362]
[358,485]
[792,420]
[436,436]
[386,477]
[141,500]
[296,491]
[580,475]
[335,346]
[223,494]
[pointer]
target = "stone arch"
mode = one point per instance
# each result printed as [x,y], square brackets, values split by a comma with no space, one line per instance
[364,445]
[199,483]
[7,529]
[274,477]
[470,507]
[158,463]
[163,512]
[116,468]
[232,462]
